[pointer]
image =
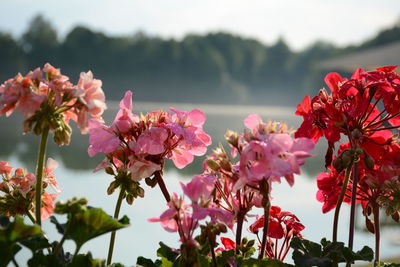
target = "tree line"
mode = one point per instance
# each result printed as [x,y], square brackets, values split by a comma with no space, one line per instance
[213,68]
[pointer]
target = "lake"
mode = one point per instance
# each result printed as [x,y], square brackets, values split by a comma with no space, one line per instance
[141,238]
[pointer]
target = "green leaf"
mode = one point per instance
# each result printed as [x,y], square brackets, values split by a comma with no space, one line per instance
[87,260]
[307,253]
[90,223]
[11,233]
[36,243]
[142,261]
[385,264]
[224,256]
[263,263]
[61,227]
[166,252]
[41,260]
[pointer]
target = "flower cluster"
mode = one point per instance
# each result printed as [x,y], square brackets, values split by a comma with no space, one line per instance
[185,218]
[282,225]
[366,110]
[137,146]
[231,185]
[18,190]
[353,109]
[48,100]
[266,152]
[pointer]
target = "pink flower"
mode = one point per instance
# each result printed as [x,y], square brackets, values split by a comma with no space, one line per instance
[47,205]
[142,169]
[124,118]
[201,186]
[252,121]
[49,176]
[5,168]
[92,96]
[150,142]
[101,139]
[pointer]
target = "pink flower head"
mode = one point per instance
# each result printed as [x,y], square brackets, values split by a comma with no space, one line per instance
[201,186]
[151,141]
[124,118]
[278,155]
[92,97]
[47,205]
[188,127]
[101,139]
[5,169]
[142,169]
[49,176]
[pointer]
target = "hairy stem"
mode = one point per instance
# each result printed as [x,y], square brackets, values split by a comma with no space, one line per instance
[162,185]
[116,214]
[339,204]
[353,205]
[264,190]
[377,233]
[31,216]
[214,259]
[39,175]
[239,228]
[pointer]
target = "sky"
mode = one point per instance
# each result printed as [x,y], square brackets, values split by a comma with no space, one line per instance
[300,23]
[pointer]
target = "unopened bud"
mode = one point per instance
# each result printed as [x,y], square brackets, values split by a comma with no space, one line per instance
[212,164]
[347,158]
[369,161]
[109,170]
[129,199]
[323,95]
[111,187]
[356,134]
[337,164]
[232,138]
[225,165]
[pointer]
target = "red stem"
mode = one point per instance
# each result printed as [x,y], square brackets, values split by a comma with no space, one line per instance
[162,185]
[239,227]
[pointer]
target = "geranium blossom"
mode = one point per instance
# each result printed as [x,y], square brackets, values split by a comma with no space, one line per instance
[17,190]
[48,100]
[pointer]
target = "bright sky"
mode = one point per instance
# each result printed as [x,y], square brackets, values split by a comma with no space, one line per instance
[300,22]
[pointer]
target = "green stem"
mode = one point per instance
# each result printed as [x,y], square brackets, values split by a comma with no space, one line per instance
[214,259]
[377,233]
[31,216]
[15,262]
[116,214]
[60,244]
[264,190]
[339,203]
[39,175]
[76,252]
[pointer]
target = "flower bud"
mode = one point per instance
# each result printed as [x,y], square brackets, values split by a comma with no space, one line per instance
[323,95]
[225,165]
[356,134]
[212,164]
[112,186]
[368,161]
[129,199]
[109,170]
[337,164]
[347,158]
[232,138]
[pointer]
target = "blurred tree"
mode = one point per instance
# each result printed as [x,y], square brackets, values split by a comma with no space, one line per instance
[40,42]
[12,57]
